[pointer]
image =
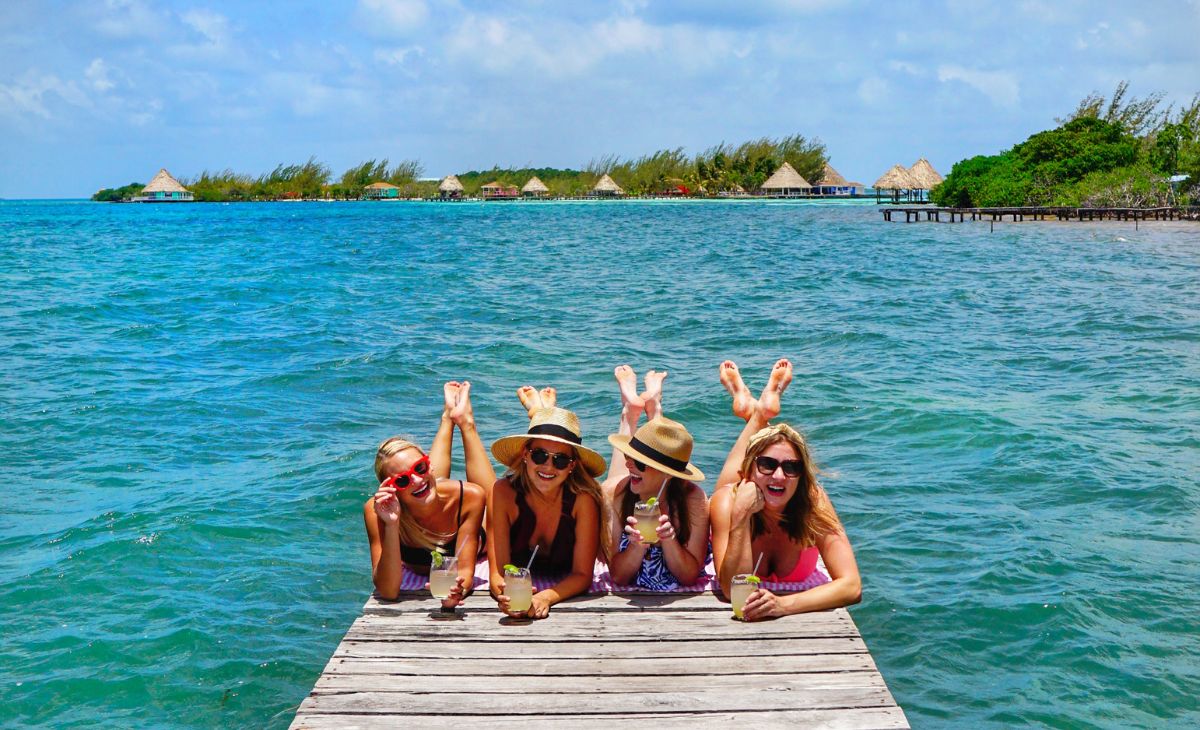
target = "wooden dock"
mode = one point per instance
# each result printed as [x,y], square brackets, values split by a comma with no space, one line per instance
[996,215]
[671,660]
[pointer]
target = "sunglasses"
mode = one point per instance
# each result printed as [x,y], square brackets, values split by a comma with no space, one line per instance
[767,465]
[560,461]
[404,478]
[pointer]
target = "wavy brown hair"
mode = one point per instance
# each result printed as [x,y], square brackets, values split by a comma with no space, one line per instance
[579,481]
[809,514]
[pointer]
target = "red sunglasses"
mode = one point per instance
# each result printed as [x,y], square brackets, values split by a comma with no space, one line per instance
[404,478]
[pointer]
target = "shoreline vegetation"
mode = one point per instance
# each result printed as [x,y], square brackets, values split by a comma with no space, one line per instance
[722,169]
[1120,152]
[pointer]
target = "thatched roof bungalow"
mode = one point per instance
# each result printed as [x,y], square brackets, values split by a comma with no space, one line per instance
[498,190]
[535,188]
[607,187]
[927,178]
[898,179]
[380,191]
[164,188]
[450,187]
[832,183]
[786,182]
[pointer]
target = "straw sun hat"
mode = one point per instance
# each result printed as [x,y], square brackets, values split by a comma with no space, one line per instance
[663,444]
[550,424]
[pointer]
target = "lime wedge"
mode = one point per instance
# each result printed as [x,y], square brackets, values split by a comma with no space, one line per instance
[511,569]
[652,501]
[754,579]
[437,558]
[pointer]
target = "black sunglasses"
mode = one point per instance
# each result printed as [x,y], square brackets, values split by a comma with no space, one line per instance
[637,464]
[767,465]
[560,461]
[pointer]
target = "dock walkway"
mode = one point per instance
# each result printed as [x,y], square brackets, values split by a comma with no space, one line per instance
[934,213]
[673,660]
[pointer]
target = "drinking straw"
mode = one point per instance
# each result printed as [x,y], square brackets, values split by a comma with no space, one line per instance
[663,488]
[531,557]
[756,564]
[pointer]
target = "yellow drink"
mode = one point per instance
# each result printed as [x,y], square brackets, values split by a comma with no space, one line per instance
[441,582]
[647,521]
[739,590]
[519,589]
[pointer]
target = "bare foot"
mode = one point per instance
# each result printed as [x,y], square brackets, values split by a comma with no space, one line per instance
[731,378]
[530,398]
[781,377]
[627,380]
[450,392]
[461,413]
[652,396]
[549,397]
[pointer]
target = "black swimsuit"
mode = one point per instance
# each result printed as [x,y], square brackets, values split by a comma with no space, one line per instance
[559,556]
[419,557]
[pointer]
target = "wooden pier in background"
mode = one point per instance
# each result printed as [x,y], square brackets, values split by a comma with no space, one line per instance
[995,215]
[676,660]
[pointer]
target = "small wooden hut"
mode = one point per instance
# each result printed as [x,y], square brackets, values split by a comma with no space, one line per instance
[381,191]
[450,188]
[900,182]
[497,190]
[786,183]
[164,188]
[927,178]
[832,183]
[535,188]
[606,188]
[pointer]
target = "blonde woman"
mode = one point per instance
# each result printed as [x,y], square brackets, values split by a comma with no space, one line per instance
[770,503]
[418,509]
[549,500]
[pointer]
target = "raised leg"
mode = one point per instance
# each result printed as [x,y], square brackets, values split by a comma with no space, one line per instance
[731,378]
[479,463]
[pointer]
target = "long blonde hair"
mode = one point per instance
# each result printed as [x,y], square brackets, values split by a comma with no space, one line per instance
[579,481]
[411,533]
[809,514]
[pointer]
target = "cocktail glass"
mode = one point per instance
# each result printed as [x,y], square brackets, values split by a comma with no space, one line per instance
[442,578]
[647,514]
[518,586]
[740,589]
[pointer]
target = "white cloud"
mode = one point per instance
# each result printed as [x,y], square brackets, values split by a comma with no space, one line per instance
[214,27]
[33,92]
[391,17]
[873,90]
[128,19]
[397,56]
[98,74]
[999,86]
[904,66]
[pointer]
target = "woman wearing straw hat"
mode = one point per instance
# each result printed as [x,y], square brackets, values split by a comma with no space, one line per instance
[546,511]
[418,509]
[653,464]
[770,515]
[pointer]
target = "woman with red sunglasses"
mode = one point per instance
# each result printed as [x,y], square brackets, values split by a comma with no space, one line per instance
[770,503]
[418,509]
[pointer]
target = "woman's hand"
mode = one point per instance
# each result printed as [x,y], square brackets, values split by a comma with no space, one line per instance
[538,608]
[761,605]
[635,535]
[457,594]
[387,506]
[665,530]
[747,500]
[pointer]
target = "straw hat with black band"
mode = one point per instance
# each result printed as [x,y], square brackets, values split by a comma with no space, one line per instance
[550,424]
[663,444]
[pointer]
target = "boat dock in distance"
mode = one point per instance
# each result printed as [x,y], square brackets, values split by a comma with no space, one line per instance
[952,215]
[675,661]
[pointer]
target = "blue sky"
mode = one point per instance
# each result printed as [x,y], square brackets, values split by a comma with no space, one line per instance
[104,92]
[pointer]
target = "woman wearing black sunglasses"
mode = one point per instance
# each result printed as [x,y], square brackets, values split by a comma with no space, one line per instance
[549,501]
[771,504]
[418,508]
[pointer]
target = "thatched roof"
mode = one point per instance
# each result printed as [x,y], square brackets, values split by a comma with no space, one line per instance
[382,186]
[897,178]
[924,174]
[450,184]
[164,183]
[785,177]
[535,186]
[832,178]
[607,185]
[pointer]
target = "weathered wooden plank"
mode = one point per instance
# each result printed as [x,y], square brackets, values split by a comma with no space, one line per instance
[425,666]
[583,604]
[867,718]
[511,683]
[612,647]
[775,697]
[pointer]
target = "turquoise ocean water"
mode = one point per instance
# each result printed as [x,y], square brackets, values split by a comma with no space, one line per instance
[191,397]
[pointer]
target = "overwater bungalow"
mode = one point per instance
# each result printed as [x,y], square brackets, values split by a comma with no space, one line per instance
[900,182]
[450,188]
[786,183]
[535,188]
[164,188]
[606,188]
[381,191]
[832,183]
[927,178]
[496,190]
